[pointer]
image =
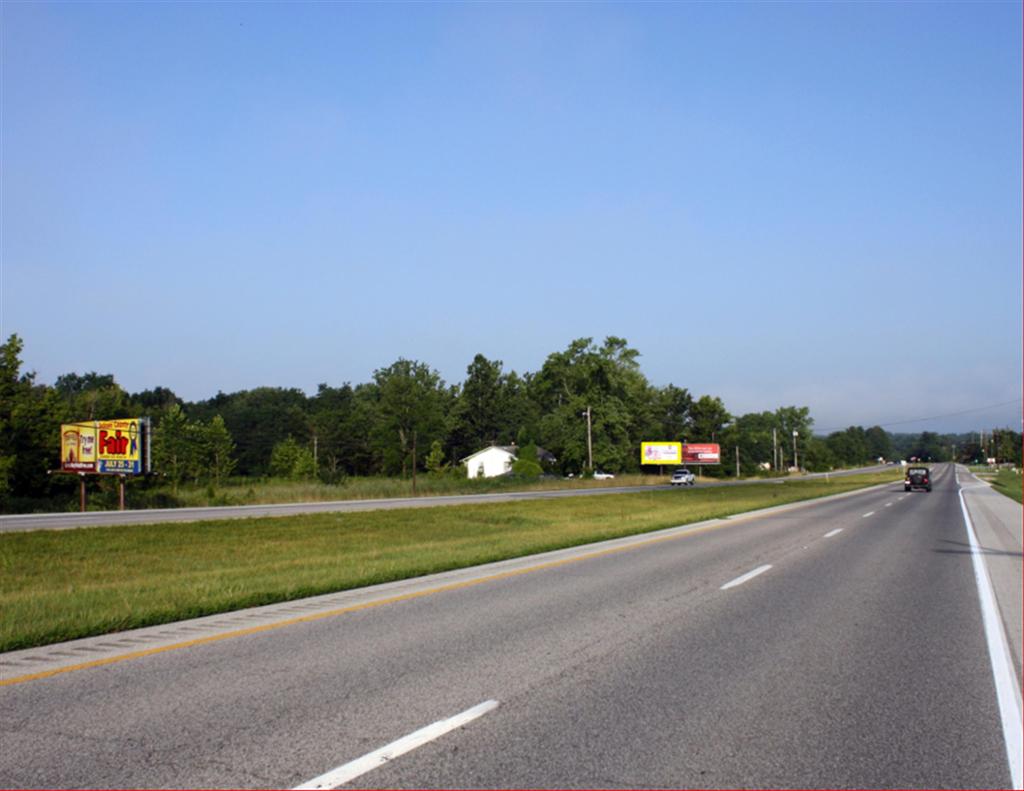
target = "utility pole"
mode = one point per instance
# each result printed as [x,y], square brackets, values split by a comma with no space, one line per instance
[737,462]
[414,461]
[590,443]
[796,464]
[775,451]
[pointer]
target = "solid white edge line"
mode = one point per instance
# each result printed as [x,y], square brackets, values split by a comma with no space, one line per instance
[835,532]
[370,761]
[1007,690]
[746,577]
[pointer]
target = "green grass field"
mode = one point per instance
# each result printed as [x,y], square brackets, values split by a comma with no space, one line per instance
[244,492]
[61,585]
[142,494]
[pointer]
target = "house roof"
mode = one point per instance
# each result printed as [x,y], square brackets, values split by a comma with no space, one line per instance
[509,450]
[512,450]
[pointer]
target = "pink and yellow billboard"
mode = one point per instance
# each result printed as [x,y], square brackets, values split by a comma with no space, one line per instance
[661,452]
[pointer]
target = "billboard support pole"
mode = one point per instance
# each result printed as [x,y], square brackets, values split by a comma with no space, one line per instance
[81,492]
[120,487]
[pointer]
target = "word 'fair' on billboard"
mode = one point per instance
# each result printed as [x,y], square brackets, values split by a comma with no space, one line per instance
[106,447]
[661,452]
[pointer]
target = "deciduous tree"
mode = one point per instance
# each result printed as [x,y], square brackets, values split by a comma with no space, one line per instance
[708,417]
[411,412]
[173,451]
[220,447]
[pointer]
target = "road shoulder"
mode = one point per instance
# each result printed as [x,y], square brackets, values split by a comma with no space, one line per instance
[998,524]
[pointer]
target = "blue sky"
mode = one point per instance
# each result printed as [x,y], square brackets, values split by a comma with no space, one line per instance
[778,203]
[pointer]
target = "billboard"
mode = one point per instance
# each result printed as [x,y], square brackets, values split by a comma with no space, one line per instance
[661,452]
[707,453]
[78,447]
[108,447]
[120,446]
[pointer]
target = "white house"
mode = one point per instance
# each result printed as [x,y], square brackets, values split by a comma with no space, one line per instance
[490,462]
[497,460]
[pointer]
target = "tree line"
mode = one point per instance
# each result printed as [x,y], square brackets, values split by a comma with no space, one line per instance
[408,419]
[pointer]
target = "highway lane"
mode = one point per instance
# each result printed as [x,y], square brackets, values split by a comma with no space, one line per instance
[857,658]
[68,521]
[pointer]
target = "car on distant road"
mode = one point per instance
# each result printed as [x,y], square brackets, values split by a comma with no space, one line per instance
[682,477]
[918,478]
[603,476]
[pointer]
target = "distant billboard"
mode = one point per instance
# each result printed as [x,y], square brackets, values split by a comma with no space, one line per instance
[707,453]
[107,447]
[661,452]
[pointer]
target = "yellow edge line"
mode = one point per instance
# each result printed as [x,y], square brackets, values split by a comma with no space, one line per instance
[726,522]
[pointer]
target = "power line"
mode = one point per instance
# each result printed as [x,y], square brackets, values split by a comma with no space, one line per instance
[933,417]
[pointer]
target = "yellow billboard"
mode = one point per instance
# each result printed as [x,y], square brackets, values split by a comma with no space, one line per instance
[661,452]
[112,447]
[78,447]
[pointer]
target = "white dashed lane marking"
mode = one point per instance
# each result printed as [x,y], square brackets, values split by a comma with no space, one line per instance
[370,761]
[746,577]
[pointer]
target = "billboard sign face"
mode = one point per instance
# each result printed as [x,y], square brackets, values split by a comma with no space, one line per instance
[708,453]
[120,446]
[109,447]
[78,447]
[661,452]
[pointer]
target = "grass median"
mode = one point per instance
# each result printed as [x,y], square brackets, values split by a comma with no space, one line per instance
[62,585]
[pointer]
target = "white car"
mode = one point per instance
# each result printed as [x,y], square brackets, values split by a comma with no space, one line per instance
[682,477]
[603,476]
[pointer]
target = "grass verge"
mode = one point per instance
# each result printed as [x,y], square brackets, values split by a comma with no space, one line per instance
[62,585]
[1009,483]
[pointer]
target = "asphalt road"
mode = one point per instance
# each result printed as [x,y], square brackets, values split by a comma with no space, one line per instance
[68,521]
[835,644]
